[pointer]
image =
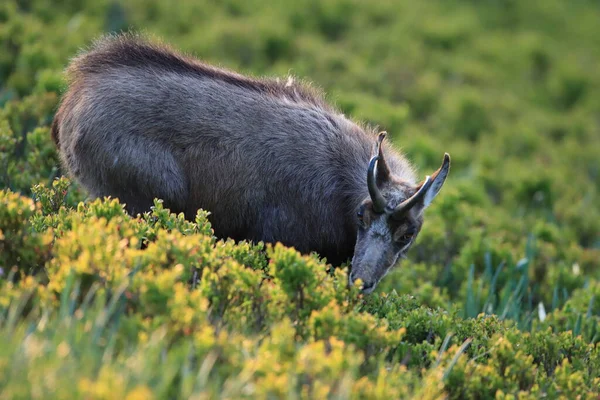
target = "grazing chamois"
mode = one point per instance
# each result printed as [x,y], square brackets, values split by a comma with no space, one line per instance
[270,159]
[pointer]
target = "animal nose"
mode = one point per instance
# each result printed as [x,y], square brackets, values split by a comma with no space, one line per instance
[366,286]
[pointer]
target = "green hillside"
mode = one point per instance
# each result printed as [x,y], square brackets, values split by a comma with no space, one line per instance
[499,297]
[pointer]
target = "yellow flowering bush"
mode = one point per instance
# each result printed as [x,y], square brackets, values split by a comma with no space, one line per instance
[498,298]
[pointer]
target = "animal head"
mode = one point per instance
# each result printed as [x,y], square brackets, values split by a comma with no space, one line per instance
[390,218]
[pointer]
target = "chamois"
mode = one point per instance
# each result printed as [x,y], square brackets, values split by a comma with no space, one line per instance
[271,160]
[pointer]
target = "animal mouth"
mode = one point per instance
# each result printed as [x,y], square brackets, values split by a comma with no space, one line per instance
[366,289]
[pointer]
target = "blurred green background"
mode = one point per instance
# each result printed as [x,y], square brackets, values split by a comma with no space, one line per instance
[509,88]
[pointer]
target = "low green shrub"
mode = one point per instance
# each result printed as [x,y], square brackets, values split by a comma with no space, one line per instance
[498,298]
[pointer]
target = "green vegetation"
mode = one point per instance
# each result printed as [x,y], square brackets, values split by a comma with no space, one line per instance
[499,298]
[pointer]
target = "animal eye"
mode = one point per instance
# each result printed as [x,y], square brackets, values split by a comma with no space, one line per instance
[360,214]
[407,237]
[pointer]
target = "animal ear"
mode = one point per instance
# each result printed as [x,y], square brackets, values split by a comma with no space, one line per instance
[426,191]
[383,172]
[437,181]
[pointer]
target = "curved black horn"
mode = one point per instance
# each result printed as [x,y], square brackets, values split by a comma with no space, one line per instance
[407,204]
[379,202]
